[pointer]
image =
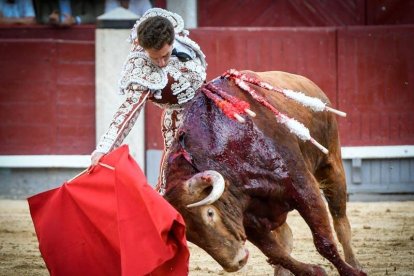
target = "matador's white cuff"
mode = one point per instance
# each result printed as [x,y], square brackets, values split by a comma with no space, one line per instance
[105,144]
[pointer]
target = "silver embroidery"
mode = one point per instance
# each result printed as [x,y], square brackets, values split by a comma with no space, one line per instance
[140,75]
[193,45]
[123,119]
[169,132]
[158,94]
[138,69]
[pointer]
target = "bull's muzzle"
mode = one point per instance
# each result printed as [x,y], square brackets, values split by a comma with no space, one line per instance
[197,183]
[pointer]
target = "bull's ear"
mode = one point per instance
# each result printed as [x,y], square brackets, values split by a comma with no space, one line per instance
[199,182]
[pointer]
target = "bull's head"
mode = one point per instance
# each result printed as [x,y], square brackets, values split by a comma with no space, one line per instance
[214,222]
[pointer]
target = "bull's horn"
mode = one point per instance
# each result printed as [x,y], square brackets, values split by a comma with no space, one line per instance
[205,179]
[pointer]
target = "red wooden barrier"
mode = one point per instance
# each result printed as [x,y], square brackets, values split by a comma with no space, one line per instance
[385,12]
[269,13]
[376,85]
[47,96]
[366,71]
[291,13]
[79,32]
[47,86]
[307,51]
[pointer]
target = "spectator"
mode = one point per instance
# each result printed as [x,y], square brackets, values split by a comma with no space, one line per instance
[16,12]
[139,7]
[68,12]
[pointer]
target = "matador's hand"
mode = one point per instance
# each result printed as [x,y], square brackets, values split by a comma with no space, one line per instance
[95,157]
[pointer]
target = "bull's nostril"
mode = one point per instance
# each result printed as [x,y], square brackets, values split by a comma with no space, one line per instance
[243,261]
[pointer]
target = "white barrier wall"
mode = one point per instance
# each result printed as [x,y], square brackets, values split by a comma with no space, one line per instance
[187,9]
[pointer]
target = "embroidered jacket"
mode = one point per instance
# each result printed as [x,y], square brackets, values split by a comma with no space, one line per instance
[169,87]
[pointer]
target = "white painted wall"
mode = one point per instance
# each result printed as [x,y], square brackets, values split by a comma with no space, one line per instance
[82,161]
[187,9]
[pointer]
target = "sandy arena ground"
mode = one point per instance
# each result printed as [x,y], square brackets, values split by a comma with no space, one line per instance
[383,235]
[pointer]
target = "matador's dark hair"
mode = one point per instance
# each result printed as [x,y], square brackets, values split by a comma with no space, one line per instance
[154,32]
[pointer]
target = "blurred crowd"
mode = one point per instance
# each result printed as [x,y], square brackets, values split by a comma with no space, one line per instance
[64,12]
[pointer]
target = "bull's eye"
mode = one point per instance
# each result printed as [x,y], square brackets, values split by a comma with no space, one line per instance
[210,213]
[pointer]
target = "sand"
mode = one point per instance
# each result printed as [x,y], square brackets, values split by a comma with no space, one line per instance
[383,238]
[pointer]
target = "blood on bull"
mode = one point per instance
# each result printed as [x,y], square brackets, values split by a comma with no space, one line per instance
[235,177]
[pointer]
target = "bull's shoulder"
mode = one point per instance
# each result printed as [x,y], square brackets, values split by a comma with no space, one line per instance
[322,125]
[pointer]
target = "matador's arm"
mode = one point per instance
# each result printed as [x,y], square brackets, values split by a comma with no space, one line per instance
[124,119]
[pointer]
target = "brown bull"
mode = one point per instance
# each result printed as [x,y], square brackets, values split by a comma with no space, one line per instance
[265,172]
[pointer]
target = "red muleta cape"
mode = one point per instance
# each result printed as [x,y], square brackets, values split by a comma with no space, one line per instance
[109,222]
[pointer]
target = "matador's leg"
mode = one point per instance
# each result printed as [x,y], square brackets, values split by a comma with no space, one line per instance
[170,122]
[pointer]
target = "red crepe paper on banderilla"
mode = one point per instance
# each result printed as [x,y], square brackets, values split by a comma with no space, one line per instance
[109,222]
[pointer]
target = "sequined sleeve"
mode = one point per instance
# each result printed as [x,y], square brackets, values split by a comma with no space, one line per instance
[124,118]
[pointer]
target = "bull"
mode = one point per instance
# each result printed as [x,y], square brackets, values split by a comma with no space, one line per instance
[234,181]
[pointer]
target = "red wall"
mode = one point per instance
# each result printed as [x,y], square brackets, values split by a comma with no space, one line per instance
[367,72]
[47,81]
[300,50]
[376,85]
[47,91]
[282,13]
[77,33]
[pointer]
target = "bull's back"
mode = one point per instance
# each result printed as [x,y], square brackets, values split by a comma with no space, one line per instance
[322,125]
[293,82]
[290,81]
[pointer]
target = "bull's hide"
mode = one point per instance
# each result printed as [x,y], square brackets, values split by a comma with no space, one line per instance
[267,171]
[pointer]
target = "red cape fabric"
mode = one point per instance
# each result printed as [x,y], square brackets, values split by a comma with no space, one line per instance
[109,222]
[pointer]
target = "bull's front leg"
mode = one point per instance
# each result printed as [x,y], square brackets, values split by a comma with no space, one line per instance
[277,245]
[312,208]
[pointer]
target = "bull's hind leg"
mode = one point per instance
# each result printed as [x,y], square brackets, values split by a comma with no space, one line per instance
[313,209]
[277,245]
[333,185]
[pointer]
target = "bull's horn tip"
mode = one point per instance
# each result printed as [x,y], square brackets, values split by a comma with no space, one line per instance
[217,181]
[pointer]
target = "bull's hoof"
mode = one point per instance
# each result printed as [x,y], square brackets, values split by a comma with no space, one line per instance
[318,271]
[354,263]
[281,271]
[360,272]
[353,272]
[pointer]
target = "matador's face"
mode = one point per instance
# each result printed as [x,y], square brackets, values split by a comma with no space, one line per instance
[160,57]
